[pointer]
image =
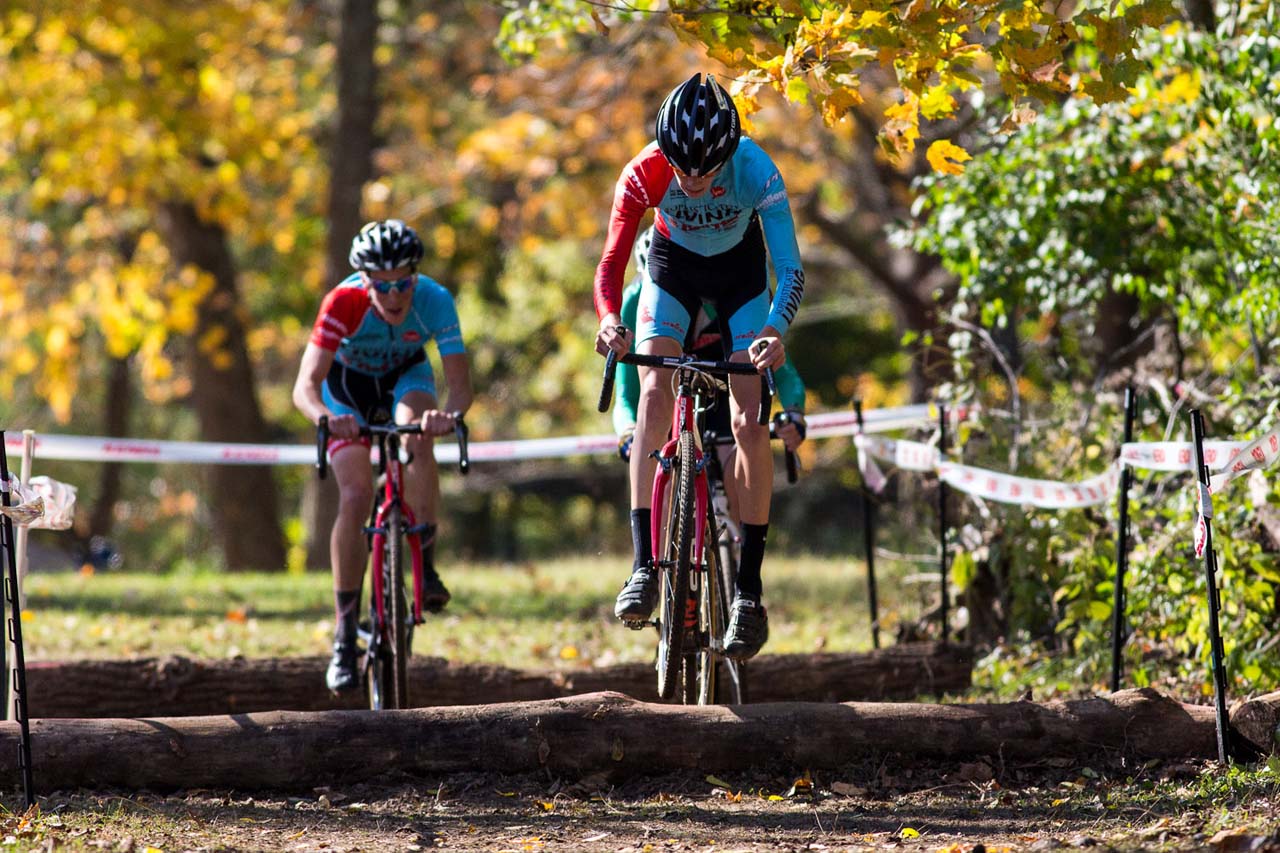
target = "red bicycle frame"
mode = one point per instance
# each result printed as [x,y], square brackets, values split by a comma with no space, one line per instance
[393,495]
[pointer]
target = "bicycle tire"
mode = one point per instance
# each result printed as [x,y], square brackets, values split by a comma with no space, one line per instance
[378,676]
[733,686]
[675,571]
[691,694]
[398,611]
[710,624]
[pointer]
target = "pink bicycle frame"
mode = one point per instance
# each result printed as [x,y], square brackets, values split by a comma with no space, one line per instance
[681,419]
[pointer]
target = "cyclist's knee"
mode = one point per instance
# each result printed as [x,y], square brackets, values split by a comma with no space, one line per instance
[747,431]
[354,498]
[422,447]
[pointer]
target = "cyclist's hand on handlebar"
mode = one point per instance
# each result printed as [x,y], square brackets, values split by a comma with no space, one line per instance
[613,336]
[624,444]
[436,422]
[791,429]
[344,426]
[767,351]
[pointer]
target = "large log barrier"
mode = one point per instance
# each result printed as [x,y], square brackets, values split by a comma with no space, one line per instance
[587,734]
[177,687]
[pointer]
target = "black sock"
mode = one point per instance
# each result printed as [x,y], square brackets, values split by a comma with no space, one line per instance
[753,538]
[346,608]
[428,540]
[641,536]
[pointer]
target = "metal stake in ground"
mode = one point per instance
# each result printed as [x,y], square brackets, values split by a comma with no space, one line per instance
[1210,575]
[869,536]
[944,606]
[9,577]
[1118,626]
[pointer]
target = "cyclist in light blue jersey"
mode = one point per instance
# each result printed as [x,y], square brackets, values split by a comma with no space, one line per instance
[720,201]
[366,363]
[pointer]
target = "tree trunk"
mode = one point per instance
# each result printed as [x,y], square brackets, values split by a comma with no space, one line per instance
[117,403]
[350,168]
[180,687]
[590,733]
[242,498]
[1201,15]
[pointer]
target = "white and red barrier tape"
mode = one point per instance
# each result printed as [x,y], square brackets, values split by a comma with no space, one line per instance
[101,449]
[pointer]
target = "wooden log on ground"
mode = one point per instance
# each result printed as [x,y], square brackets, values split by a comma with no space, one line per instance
[175,686]
[1257,722]
[588,734]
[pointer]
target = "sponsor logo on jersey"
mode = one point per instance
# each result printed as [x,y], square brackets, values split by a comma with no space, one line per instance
[716,192]
[411,337]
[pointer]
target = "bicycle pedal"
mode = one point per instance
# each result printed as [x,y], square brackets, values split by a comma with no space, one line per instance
[639,624]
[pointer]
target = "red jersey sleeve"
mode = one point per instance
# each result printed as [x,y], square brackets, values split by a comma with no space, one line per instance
[642,185]
[340,315]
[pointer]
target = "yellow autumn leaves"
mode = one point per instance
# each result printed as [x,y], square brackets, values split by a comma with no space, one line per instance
[820,51]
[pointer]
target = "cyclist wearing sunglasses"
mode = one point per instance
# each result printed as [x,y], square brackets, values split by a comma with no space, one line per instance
[720,201]
[365,363]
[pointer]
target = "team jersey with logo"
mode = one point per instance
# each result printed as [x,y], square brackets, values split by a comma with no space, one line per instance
[348,326]
[708,225]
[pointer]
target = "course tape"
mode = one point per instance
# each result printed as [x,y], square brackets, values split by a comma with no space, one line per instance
[44,503]
[1229,458]
[101,449]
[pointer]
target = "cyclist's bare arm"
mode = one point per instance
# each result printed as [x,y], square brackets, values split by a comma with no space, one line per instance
[457,376]
[316,362]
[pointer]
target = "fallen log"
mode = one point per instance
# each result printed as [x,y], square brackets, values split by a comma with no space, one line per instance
[1257,722]
[177,686]
[590,733]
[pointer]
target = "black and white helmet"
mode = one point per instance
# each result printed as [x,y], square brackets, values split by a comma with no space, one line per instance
[385,245]
[641,252]
[698,127]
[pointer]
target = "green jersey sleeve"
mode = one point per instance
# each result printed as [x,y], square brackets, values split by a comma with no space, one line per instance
[627,385]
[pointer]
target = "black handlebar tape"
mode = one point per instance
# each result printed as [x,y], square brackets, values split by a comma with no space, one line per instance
[322,447]
[768,390]
[792,473]
[460,430]
[606,389]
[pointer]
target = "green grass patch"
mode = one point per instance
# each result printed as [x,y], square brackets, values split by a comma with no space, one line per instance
[547,613]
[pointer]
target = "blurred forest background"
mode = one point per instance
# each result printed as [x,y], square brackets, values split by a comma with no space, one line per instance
[1015,204]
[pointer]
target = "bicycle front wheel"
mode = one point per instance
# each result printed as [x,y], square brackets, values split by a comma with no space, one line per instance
[675,570]
[389,666]
[398,611]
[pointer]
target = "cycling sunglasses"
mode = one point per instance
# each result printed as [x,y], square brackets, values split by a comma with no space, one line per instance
[399,285]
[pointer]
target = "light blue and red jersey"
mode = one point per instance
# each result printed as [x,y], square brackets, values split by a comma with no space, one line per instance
[362,341]
[708,225]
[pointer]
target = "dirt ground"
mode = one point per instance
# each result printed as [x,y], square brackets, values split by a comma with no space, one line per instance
[977,806]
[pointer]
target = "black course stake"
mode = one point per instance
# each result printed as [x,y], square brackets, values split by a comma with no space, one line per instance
[869,535]
[942,525]
[9,577]
[1118,626]
[1210,575]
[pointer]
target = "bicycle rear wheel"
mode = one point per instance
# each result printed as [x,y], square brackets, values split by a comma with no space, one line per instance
[675,570]
[732,675]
